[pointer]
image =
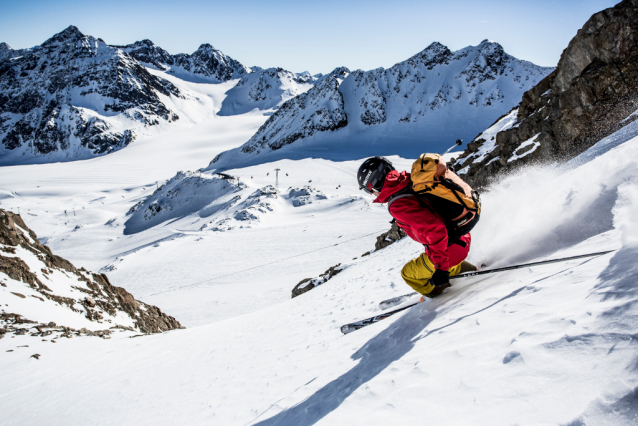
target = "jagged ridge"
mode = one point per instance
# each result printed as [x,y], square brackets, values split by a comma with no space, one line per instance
[592,93]
[205,63]
[428,91]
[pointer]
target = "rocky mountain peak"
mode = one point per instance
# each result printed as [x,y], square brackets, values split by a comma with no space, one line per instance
[415,97]
[145,42]
[206,48]
[433,55]
[487,44]
[490,48]
[340,72]
[148,52]
[435,46]
[70,35]
[5,51]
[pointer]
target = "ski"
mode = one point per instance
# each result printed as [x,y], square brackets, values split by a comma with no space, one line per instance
[400,299]
[349,328]
[389,303]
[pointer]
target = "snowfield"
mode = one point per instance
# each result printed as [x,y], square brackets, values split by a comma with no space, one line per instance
[553,344]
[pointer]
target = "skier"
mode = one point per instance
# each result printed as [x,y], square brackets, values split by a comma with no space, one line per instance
[443,257]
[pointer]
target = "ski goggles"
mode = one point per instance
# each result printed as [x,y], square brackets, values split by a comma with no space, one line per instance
[374,179]
[368,189]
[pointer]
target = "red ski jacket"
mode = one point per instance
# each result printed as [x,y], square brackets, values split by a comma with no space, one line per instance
[421,224]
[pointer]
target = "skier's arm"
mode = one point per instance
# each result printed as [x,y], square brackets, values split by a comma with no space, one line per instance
[425,227]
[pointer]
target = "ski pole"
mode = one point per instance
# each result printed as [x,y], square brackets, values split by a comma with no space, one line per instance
[457,143]
[399,299]
[525,265]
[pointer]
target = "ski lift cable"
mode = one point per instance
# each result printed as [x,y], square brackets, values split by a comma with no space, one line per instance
[262,265]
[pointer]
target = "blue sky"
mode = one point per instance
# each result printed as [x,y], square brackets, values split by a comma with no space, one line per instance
[302,35]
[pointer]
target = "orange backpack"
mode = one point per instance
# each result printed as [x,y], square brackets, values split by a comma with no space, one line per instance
[438,188]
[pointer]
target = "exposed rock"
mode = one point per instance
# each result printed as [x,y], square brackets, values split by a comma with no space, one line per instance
[392,236]
[148,53]
[592,93]
[96,298]
[308,284]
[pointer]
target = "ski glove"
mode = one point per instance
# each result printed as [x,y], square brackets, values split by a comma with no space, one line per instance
[440,277]
[437,290]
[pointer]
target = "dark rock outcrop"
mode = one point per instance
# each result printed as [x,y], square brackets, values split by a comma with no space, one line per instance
[392,236]
[97,298]
[308,284]
[590,95]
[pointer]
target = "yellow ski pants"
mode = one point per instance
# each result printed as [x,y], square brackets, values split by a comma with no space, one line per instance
[417,273]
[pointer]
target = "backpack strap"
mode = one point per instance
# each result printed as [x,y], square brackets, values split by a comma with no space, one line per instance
[454,188]
[409,192]
[405,192]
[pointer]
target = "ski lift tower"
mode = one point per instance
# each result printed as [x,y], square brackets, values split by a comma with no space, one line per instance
[277,178]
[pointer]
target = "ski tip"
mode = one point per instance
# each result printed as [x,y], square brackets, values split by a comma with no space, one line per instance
[348,328]
[390,303]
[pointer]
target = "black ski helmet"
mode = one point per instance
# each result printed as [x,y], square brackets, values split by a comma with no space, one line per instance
[372,173]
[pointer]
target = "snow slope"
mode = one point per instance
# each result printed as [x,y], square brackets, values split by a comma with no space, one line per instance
[553,344]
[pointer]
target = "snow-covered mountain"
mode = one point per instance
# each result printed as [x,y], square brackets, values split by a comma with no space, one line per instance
[75,97]
[45,295]
[423,103]
[264,89]
[206,64]
[317,110]
[592,93]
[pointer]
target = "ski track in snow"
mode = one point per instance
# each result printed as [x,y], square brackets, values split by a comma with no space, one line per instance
[553,344]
